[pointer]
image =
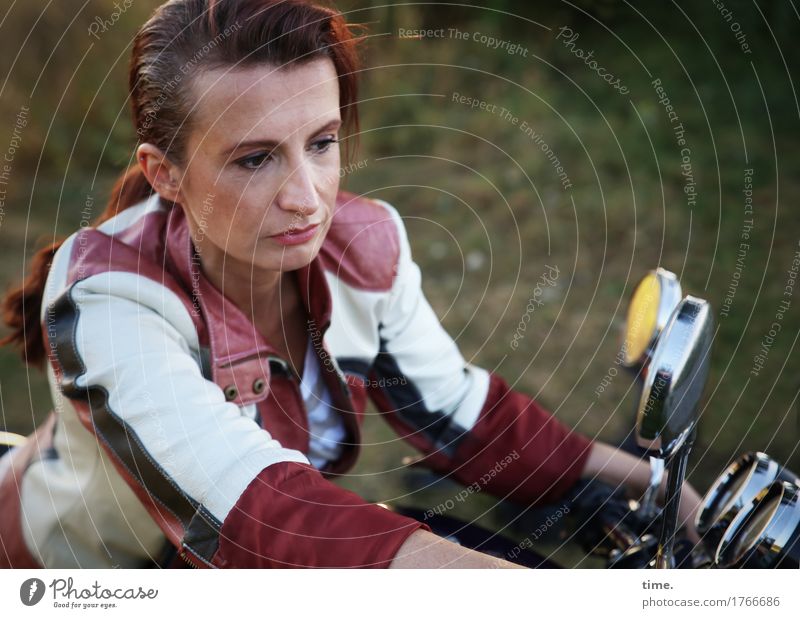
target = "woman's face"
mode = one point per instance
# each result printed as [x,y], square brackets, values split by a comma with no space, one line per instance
[262,165]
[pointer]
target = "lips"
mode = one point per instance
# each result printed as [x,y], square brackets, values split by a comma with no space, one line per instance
[296,236]
[295,230]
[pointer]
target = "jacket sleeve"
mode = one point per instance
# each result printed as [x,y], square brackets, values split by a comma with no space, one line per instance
[223,491]
[466,420]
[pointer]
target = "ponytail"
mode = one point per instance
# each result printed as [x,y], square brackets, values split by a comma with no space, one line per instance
[22,305]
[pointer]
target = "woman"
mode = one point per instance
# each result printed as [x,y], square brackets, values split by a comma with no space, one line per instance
[211,340]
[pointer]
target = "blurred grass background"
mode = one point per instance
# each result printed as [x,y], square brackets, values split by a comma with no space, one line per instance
[485,209]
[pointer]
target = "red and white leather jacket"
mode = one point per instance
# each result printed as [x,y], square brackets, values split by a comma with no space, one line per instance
[176,421]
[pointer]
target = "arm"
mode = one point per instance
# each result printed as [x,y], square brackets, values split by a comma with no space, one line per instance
[424,550]
[467,421]
[221,489]
[618,467]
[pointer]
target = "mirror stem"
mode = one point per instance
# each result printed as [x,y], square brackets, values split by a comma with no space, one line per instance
[648,506]
[672,502]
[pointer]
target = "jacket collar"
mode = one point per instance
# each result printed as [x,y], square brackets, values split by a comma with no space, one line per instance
[238,353]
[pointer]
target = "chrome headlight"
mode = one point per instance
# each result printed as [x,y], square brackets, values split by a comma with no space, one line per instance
[733,490]
[766,533]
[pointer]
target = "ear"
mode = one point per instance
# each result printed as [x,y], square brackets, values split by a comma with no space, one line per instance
[163,175]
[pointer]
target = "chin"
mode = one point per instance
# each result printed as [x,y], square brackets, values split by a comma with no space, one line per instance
[290,259]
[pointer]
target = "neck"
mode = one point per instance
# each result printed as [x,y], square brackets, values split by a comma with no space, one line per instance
[249,288]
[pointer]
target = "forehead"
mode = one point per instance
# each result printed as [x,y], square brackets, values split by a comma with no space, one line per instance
[264,101]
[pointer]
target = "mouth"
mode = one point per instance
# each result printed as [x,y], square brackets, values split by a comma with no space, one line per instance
[295,236]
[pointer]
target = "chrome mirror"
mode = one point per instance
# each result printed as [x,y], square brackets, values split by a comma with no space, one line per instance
[674,383]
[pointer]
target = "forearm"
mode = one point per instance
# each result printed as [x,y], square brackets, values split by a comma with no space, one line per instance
[617,467]
[424,550]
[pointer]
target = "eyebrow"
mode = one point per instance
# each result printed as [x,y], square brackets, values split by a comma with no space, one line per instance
[271,144]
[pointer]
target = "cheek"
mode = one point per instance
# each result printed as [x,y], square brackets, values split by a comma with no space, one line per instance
[232,223]
[331,176]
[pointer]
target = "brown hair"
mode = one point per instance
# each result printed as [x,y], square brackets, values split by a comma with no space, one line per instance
[182,38]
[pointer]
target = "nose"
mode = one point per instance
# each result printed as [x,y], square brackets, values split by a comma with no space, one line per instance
[298,192]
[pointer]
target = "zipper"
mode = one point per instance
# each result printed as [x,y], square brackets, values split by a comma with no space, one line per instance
[191,558]
[186,559]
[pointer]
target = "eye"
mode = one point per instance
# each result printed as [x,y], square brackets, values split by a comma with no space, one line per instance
[254,162]
[324,144]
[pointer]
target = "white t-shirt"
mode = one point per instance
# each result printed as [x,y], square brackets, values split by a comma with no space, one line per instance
[325,425]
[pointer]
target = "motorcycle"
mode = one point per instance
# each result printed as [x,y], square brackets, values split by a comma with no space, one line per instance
[750,516]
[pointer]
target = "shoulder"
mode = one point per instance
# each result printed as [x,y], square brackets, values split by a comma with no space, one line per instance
[123,256]
[123,242]
[364,243]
